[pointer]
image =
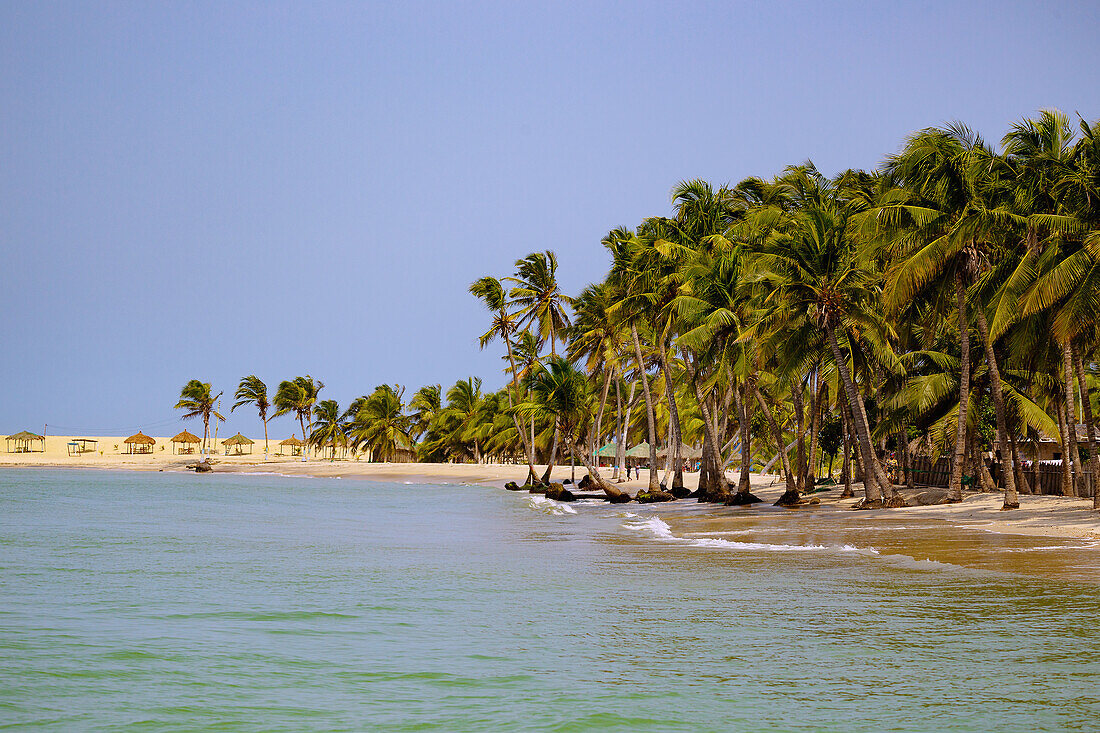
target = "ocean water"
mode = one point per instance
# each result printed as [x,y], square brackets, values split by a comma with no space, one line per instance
[160,601]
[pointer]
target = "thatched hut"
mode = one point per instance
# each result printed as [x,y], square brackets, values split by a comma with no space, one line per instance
[638,455]
[139,442]
[185,442]
[293,445]
[238,442]
[23,442]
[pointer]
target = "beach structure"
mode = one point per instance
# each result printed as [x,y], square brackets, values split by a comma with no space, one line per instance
[184,443]
[139,443]
[638,455]
[237,443]
[607,453]
[77,446]
[293,446]
[23,442]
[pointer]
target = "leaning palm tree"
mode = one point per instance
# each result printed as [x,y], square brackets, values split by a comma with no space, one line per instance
[197,400]
[297,395]
[252,390]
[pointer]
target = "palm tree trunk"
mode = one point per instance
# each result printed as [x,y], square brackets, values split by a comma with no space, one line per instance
[675,448]
[528,448]
[743,483]
[553,454]
[954,488]
[846,466]
[798,402]
[597,435]
[791,495]
[712,484]
[1090,426]
[654,484]
[1071,415]
[265,438]
[871,482]
[205,432]
[815,425]
[1018,466]
[612,493]
[618,427]
[1063,436]
[1012,501]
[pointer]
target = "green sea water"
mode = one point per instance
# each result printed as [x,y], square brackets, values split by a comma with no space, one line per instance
[161,601]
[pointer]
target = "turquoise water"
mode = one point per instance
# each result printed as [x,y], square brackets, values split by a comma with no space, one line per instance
[180,602]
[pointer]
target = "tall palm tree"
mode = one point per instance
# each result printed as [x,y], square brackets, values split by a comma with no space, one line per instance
[491,292]
[252,390]
[297,395]
[425,406]
[196,399]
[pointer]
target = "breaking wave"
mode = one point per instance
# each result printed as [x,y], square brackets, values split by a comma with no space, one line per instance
[549,506]
[659,529]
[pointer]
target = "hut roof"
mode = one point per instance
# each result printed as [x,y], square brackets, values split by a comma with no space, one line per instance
[25,435]
[186,437]
[639,451]
[608,451]
[688,453]
[291,441]
[238,439]
[140,438]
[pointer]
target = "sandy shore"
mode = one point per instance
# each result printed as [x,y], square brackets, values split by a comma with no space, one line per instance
[1051,516]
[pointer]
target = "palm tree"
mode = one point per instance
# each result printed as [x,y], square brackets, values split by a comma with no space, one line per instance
[297,395]
[381,424]
[425,406]
[560,391]
[252,390]
[329,430]
[197,400]
[491,292]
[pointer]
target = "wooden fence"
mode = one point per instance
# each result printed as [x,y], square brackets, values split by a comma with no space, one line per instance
[1043,478]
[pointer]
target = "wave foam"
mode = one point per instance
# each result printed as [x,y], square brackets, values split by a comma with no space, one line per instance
[659,529]
[549,506]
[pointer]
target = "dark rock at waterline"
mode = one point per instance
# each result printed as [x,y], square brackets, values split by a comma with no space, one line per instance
[651,497]
[513,486]
[742,499]
[586,483]
[712,497]
[618,498]
[789,498]
[537,489]
[202,467]
[557,492]
[566,481]
[680,492]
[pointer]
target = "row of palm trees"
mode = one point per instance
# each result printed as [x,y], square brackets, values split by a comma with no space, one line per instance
[764,310]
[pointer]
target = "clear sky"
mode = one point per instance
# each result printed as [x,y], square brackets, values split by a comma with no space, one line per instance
[213,190]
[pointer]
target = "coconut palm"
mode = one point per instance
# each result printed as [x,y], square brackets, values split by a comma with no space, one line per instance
[381,424]
[298,395]
[197,401]
[329,428]
[253,391]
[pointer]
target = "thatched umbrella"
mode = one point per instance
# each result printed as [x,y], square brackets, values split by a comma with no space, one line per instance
[24,442]
[183,442]
[294,444]
[240,441]
[139,442]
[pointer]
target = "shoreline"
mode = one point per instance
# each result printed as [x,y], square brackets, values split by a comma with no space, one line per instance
[1038,516]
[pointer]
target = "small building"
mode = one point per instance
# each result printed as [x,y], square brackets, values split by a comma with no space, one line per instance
[139,443]
[78,446]
[292,445]
[184,443]
[23,442]
[238,442]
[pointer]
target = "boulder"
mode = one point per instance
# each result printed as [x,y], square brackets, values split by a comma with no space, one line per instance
[537,489]
[513,486]
[586,482]
[680,492]
[558,492]
[203,467]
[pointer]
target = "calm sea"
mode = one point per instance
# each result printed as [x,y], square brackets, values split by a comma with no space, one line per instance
[167,601]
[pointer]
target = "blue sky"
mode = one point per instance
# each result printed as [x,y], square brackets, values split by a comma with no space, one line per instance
[309,188]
